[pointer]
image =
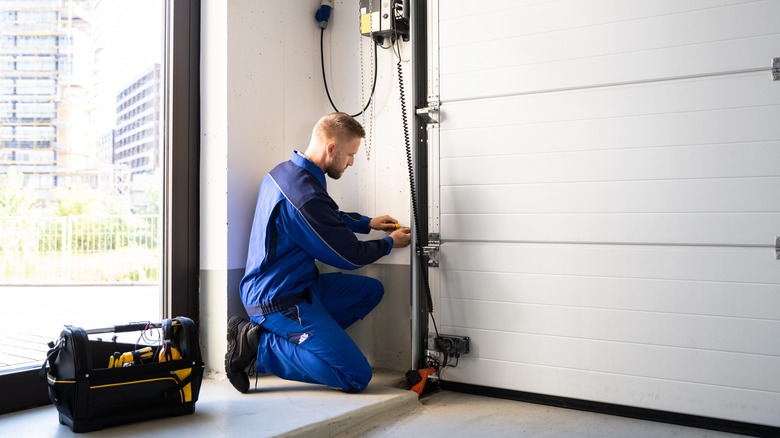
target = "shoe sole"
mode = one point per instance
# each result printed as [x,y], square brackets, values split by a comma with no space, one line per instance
[238,378]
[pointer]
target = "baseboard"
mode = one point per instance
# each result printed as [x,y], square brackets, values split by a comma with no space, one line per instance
[619,410]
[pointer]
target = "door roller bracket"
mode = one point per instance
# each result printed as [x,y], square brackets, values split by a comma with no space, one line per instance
[776,69]
[429,113]
[431,250]
[777,247]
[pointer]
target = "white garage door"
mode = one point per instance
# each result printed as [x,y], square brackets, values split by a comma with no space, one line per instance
[609,199]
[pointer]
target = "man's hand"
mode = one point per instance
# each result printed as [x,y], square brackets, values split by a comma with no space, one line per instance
[401,237]
[383,223]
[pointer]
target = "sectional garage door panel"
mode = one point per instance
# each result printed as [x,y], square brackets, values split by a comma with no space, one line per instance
[566,44]
[474,134]
[628,390]
[613,292]
[689,161]
[609,198]
[712,229]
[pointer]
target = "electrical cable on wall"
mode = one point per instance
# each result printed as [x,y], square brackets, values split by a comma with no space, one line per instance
[413,191]
[325,80]
[424,380]
[449,346]
[383,31]
[322,15]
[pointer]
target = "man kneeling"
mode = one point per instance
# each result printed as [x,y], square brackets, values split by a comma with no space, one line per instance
[298,316]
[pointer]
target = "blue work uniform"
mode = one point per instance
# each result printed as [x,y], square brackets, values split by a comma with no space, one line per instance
[303,313]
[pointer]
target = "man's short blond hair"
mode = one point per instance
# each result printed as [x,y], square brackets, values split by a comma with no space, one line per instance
[338,126]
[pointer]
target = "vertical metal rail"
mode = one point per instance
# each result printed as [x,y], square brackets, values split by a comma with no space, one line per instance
[419,37]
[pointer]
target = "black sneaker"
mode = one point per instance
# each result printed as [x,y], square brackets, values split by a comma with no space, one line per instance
[243,338]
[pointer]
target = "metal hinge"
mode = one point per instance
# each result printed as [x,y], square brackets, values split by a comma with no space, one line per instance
[776,69]
[777,247]
[430,113]
[431,250]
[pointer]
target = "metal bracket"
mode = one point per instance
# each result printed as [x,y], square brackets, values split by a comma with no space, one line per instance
[777,247]
[776,69]
[430,113]
[431,250]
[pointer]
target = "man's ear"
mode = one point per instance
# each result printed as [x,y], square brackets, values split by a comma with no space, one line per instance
[330,148]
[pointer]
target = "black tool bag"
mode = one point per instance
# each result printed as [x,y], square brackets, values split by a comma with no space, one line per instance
[96,383]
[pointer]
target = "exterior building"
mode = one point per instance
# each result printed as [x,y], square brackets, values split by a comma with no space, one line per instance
[137,135]
[46,73]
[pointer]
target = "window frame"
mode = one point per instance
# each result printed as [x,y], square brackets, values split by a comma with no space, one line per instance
[181,187]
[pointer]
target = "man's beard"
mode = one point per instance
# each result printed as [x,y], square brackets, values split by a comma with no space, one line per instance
[334,173]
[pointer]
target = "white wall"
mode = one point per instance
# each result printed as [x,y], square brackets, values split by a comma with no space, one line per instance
[261,93]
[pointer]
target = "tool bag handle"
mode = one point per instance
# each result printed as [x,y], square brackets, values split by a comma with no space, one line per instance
[133,326]
[130,327]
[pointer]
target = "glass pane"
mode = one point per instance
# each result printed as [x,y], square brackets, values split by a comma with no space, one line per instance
[81,136]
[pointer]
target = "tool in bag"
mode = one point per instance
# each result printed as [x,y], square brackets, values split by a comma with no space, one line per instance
[95,383]
[129,358]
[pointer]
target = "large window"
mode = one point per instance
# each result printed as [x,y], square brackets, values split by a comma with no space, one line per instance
[99,158]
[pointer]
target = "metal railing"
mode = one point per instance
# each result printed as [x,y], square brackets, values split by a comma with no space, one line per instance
[80,249]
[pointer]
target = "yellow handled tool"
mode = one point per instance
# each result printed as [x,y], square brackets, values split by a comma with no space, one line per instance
[118,360]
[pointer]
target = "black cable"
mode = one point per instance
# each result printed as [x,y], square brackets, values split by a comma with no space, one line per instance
[325,81]
[413,191]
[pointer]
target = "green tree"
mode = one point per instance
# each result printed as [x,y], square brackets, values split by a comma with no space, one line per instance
[16,205]
[77,201]
[15,199]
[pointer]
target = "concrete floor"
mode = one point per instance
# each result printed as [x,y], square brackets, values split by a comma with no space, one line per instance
[452,414]
[282,408]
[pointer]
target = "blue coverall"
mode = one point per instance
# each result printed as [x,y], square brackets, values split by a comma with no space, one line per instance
[296,222]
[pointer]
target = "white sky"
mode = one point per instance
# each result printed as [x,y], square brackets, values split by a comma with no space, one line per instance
[132,33]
